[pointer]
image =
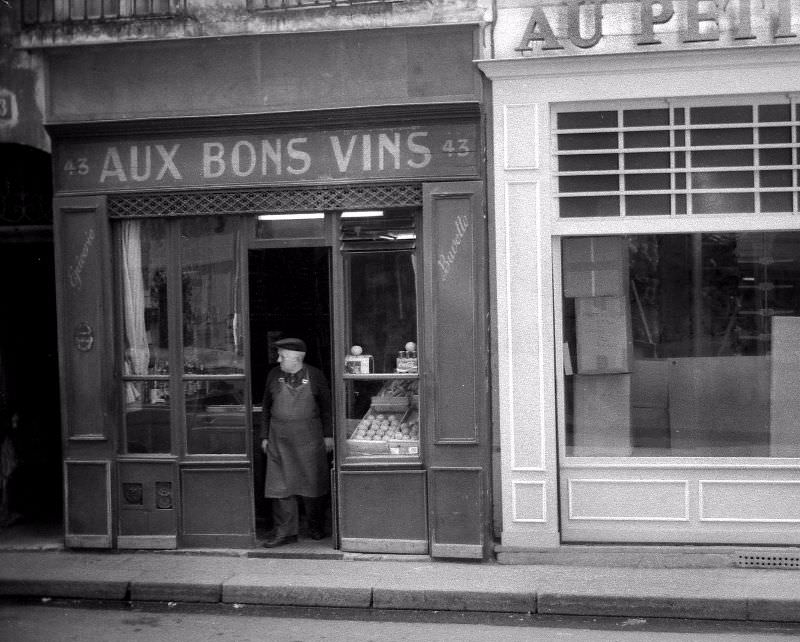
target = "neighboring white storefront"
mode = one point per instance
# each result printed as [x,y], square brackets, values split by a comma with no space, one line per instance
[645,223]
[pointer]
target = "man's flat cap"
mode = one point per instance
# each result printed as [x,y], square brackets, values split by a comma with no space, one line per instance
[297,345]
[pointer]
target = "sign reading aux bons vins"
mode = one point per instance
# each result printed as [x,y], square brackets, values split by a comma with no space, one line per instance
[315,156]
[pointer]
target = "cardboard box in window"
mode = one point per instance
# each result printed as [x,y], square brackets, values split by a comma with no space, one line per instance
[361,364]
[595,266]
[785,391]
[650,383]
[650,433]
[604,338]
[720,406]
[602,416]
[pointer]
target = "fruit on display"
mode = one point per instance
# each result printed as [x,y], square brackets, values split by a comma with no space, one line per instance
[399,388]
[387,427]
[391,425]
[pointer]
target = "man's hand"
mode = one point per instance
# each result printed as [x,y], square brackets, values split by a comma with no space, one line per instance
[328,444]
[264,443]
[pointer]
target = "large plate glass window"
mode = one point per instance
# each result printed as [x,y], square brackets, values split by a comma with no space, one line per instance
[382,364]
[682,344]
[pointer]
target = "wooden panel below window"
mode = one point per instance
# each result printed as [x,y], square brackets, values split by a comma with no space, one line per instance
[88,504]
[217,506]
[456,496]
[383,511]
[148,506]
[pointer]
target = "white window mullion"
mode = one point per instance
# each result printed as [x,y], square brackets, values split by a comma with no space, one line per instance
[687,143]
[756,163]
[672,182]
[621,154]
[795,155]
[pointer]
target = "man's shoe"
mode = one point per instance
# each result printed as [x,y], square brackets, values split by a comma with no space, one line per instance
[280,541]
[315,534]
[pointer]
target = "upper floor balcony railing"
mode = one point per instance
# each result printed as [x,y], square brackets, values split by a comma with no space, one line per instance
[42,12]
[287,5]
[53,12]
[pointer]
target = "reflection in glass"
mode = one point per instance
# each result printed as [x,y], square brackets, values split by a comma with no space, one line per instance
[147,411]
[682,345]
[211,285]
[215,416]
[382,418]
[383,305]
[143,263]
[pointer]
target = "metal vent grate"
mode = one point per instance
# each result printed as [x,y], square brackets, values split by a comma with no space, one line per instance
[768,561]
[295,199]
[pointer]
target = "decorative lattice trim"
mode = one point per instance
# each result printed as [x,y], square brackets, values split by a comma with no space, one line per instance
[254,201]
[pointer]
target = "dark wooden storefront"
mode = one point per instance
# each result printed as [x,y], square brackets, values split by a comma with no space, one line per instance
[420,161]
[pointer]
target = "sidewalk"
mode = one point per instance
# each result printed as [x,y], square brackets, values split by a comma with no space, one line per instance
[235,578]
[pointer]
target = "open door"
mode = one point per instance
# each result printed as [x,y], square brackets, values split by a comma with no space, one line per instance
[289,297]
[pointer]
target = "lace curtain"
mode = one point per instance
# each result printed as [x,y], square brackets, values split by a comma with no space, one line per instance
[137,354]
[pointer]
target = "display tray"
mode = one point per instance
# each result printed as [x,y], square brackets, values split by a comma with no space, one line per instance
[389,427]
[233,408]
[389,404]
[391,447]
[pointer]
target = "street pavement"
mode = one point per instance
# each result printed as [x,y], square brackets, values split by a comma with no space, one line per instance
[745,594]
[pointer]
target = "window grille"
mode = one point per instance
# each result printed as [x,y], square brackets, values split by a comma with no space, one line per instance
[679,159]
[35,12]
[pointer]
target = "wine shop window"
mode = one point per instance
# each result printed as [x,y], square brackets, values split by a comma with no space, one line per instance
[381,378]
[183,378]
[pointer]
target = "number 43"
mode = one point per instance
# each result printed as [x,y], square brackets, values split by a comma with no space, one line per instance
[78,166]
[458,147]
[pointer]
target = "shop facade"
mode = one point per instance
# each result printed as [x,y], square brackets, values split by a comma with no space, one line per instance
[645,233]
[193,234]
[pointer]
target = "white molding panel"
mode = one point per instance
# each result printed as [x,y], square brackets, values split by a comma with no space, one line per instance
[630,500]
[521,151]
[751,500]
[529,501]
[525,339]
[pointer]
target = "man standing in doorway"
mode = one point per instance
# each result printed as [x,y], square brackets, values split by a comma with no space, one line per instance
[296,433]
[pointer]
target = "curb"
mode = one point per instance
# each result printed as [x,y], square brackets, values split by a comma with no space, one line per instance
[643,606]
[254,590]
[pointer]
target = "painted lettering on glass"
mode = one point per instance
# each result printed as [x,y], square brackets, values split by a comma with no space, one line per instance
[446,259]
[75,270]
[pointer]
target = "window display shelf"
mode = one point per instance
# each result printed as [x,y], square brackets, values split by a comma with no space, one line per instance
[380,376]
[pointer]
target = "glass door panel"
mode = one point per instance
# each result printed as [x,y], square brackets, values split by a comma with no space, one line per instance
[213,350]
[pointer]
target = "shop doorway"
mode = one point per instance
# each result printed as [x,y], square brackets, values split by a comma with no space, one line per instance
[29,396]
[289,296]
[31,490]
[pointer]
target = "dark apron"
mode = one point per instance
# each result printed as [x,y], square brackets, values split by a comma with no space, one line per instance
[296,461]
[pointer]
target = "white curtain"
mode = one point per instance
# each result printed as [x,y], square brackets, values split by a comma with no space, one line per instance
[138,355]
